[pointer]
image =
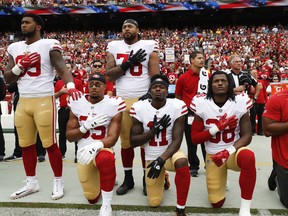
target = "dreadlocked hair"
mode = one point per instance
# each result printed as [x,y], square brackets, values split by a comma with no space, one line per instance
[230,93]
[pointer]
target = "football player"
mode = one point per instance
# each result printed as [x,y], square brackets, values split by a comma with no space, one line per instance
[224,126]
[95,122]
[130,63]
[158,124]
[32,63]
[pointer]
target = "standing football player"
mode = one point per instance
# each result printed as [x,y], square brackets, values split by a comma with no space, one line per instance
[224,126]
[130,63]
[95,122]
[32,63]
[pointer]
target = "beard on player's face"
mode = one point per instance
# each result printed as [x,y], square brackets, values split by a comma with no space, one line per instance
[130,38]
[30,33]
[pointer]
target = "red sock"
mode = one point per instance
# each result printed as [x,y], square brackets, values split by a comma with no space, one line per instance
[182,182]
[143,157]
[247,179]
[127,156]
[105,162]
[55,158]
[29,157]
[218,204]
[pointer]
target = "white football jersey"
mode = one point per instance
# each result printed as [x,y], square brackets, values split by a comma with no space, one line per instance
[36,81]
[81,108]
[144,112]
[210,113]
[136,80]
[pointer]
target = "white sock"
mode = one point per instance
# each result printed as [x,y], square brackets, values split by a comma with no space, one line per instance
[106,197]
[31,178]
[180,207]
[245,207]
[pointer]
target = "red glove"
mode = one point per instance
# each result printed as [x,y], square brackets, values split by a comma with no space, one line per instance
[221,157]
[73,92]
[24,62]
[34,58]
[224,122]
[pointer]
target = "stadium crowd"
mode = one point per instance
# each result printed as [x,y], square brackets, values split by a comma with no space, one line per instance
[263,48]
[48,3]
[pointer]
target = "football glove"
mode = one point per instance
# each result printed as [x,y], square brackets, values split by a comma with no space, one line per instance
[34,58]
[221,157]
[156,167]
[138,57]
[224,123]
[92,122]
[89,152]
[163,123]
[73,92]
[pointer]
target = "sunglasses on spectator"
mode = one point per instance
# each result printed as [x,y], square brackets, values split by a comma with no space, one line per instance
[97,66]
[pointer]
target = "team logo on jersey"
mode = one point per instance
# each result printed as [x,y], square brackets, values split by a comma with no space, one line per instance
[203,87]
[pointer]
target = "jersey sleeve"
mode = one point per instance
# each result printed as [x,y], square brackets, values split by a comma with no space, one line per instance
[180,107]
[55,45]
[135,110]
[196,102]
[121,106]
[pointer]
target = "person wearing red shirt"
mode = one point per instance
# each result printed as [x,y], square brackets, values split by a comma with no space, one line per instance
[259,104]
[186,89]
[275,118]
[61,91]
[97,67]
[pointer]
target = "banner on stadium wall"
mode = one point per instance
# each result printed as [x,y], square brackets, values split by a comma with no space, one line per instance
[278,86]
[169,55]
[110,8]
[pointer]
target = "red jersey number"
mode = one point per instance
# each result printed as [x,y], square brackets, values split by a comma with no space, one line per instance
[162,135]
[133,72]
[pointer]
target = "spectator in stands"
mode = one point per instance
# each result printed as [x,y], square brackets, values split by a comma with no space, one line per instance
[130,63]
[259,104]
[97,67]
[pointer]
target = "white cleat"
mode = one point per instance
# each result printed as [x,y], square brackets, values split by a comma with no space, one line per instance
[58,189]
[30,188]
[105,210]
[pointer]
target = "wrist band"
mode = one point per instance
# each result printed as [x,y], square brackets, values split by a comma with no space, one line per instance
[231,149]
[16,70]
[70,85]
[83,129]
[214,130]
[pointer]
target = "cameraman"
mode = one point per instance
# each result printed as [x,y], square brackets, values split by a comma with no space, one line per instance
[241,79]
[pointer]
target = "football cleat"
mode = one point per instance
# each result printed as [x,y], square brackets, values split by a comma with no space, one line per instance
[58,189]
[30,187]
[105,210]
